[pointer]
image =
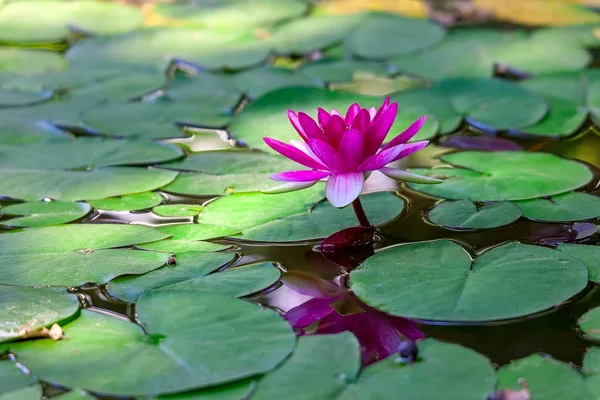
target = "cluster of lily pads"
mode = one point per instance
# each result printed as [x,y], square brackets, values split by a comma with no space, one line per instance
[161,113]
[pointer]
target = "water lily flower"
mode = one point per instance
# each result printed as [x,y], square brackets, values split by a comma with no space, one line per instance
[345,149]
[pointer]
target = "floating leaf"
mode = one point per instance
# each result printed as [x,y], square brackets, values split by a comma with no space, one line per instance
[31,392]
[259,81]
[12,378]
[72,255]
[187,237]
[327,362]
[29,309]
[341,70]
[589,323]
[82,169]
[587,255]
[544,378]
[132,202]
[505,175]
[502,283]
[177,210]
[183,348]
[20,131]
[380,36]
[567,207]
[465,214]
[45,213]
[192,271]
[74,394]
[22,21]
[433,103]
[590,367]
[237,390]
[25,61]
[456,371]
[288,222]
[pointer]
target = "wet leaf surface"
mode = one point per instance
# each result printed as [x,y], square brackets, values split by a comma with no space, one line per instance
[132,202]
[45,213]
[567,207]
[12,378]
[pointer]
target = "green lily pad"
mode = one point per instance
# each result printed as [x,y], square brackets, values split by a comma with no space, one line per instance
[505,175]
[566,207]
[341,70]
[327,362]
[226,171]
[578,34]
[132,202]
[74,394]
[260,81]
[45,213]
[17,98]
[123,86]
[572,96]
[211,93]
[177,210]
[466,215]
[181,348]
[381,36]
[193,272]
[22,22]
[494,103]
[237,390]
[29,309]
[267,116]
[82,169]
[589,323]
[231,14]
[547,379]
[25,61]
[591,368]
[156,47]
[502,283]
[31,392]
[72,255]
[20,131]
[12,378]
[455,371]
[188,237]
[587,255]
[471,52]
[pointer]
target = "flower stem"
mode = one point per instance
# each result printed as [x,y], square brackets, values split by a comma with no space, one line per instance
[360,213]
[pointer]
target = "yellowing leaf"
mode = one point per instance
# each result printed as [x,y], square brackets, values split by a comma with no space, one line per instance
[412,8]
[541,12]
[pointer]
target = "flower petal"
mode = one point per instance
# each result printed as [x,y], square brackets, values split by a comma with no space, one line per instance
[335,129]
[308,313]
[327,154]
[380,127]
[343,189]
[300,176]
[362,120]
[381,159]
[407,134]
[296,124]
[405,176]
[351,113]
[311,129]
[288,187]
[372,113]
[410,148]
[293,153]
[351,148]
[323,117]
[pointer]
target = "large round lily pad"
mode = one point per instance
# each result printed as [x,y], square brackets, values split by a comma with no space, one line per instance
[466,215]
[28,309]
[82,169]
[588,255]
[545,378]
[182,347]
[45,213]
[508,281]
[455,371]
[505,175]
[320,369]
[567,207]
[72,255]
[132,202]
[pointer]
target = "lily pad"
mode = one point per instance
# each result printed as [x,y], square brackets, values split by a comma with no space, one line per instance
[222,172]
[237,390]
[341,70]
[188,237]
[320,369]
[591,367]
[546,379]
[132,202]
[504,175]
[192,271]
[45,213]
[181,348]
[468,53]
[380,36]
[28,309]
[259,81]
[12,378]
[25,61]
[576,206]
[588,255]
[31,392]
[177,210]
[502,283]
[20,131]
[589,323]
[72,255]
[456,371]
[433,103]
[22,22]
[74,394]
[82,169]
[463,214]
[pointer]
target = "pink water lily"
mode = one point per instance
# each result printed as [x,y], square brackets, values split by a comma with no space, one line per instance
[345,149]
